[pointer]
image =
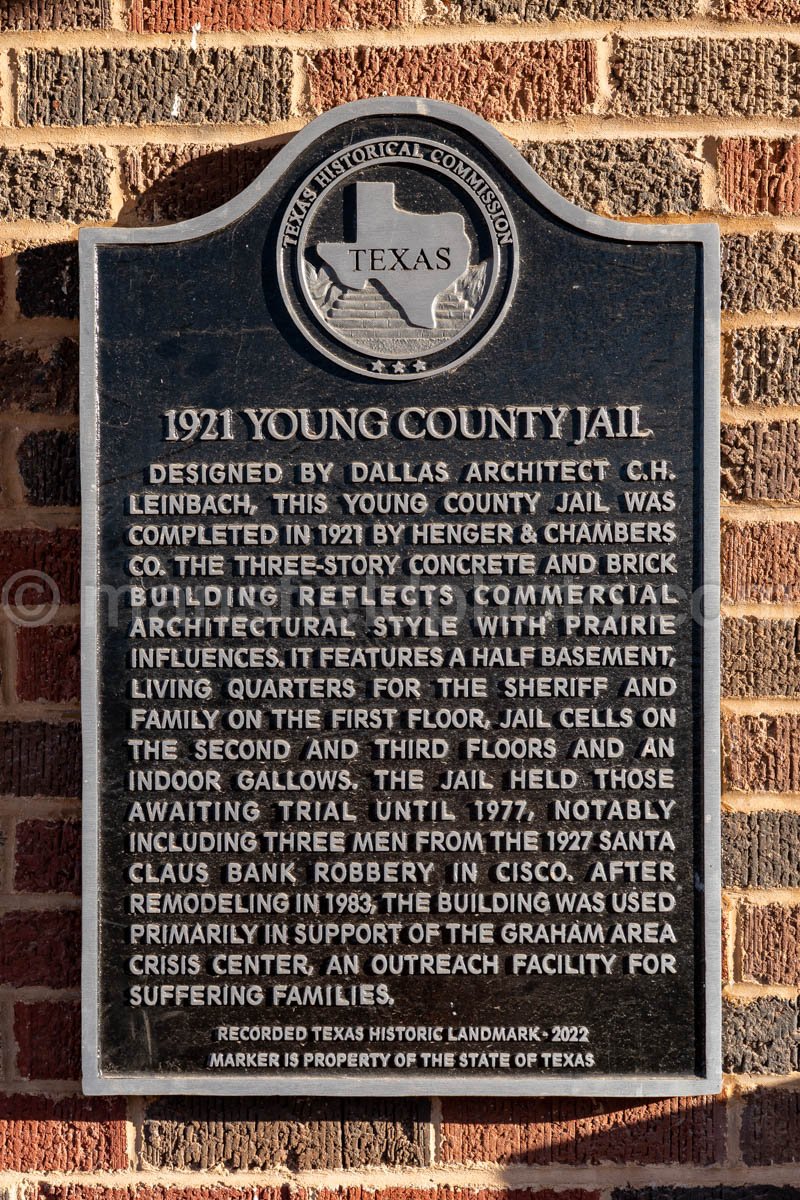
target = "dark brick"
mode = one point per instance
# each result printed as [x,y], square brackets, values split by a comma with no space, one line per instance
[154,87]
[760,272]
[762,366]
[217,16]
[174,183]
[770,1127]
[48,1037]
[48,857]
[250,1135]
[491,11]
[759,462]
[761,562]
[48,663]
[39,758]
[769,943]
[504,81]
[761,1037]
[583,1132]
[622,178]
[43,557]
[38,1133]
[47,280]
[54,14]
[761,754]
[40,949]
[48,465]
[760,658]
[729,77]
[64,184]
[761,849]
[39,380]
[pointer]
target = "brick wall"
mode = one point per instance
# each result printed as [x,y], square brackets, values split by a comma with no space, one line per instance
[141,111]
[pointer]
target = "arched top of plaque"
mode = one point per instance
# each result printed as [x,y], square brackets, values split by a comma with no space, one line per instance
[395,248]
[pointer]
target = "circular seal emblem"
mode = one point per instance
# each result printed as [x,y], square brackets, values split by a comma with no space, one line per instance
[397,258]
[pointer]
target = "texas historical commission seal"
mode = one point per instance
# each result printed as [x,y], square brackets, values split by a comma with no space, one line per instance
[397,258]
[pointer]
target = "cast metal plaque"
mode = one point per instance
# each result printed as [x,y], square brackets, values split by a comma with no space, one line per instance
[400,648]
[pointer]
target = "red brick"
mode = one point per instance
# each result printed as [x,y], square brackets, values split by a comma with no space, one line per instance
[761,562]
[53,554]
[769,944]
[444,1192]
[38,1133]
[40,758]
[54,14]
[48,467]
[760,658]
[156,1191]
[759,175]
[217,16]
[777,12]
[759,462]
[581,1132]
[761,754]
[770,1128]
[512,81]
[48,1038]
[48,857]
[48,663]
[173,183]
[40,949]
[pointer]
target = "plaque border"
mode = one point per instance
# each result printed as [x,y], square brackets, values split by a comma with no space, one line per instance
[453,1083]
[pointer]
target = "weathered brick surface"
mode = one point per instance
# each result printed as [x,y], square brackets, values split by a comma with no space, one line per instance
[760,658]
[178,16]
[47,857]
[622,178]
[760,461]
[54,14]
[48,466]
[40,949]
[153,87]
[519,81]
[761,562]
[760,272]
[47,280]
[761,849]
[40,758]
[762,366]
[492,11]
[761,1037]
[174,183]
[65,184]
[771,1127]
[44,563]
[769,943]
[71,1134]
[39,380]
[248,1135]
[778,12]
[762,754]
[759,175]
[713,1191]
[48,663]
[706,77]
[581,1132]
[48,1037]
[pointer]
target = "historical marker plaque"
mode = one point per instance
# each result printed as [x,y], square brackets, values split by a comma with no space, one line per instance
[400,650]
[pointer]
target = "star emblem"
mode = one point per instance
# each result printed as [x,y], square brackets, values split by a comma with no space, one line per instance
[379,366]
[399,368]
[420,365]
